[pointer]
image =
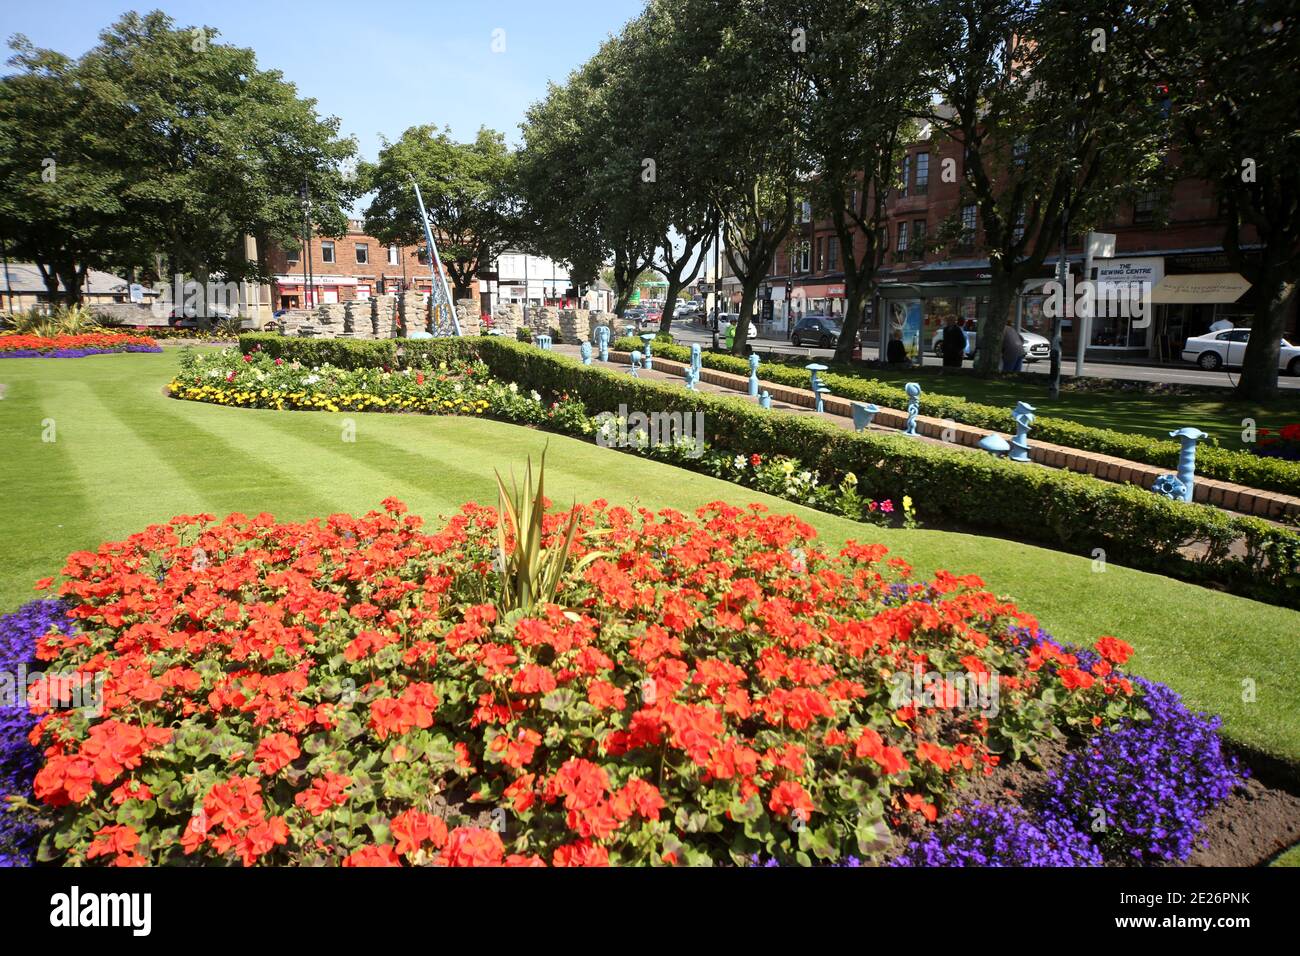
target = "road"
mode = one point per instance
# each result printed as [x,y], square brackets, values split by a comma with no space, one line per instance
[689,333]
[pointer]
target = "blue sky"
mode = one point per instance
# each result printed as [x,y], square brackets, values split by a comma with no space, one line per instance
[378,65]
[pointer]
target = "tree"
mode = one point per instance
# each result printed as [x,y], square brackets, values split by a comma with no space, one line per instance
[466,189]
[759,163]
[1235,111]
[60,202]
[860,86]
[1057,121]
[666,67]
[584,200]
[171,142]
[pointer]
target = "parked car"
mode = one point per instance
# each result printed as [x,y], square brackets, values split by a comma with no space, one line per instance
[194,317]
[1036,346]
[651,319]
[1228,347]
[821,330]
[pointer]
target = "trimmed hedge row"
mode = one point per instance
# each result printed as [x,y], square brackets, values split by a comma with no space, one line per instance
[1211,461]
[1073,512]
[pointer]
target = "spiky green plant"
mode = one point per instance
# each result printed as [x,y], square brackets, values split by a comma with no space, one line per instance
[529,573]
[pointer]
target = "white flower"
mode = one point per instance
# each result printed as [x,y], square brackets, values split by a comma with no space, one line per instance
[514,388]
[535,396]
[738,462]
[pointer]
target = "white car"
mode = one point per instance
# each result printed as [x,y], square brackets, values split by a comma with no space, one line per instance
[1036,346]
[1228,347]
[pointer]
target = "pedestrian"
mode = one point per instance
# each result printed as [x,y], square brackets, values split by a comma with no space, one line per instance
[1013,350]
[954,343]
[896,353]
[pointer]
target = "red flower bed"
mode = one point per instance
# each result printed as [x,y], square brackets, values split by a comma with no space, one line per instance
[73,346]
[345,691]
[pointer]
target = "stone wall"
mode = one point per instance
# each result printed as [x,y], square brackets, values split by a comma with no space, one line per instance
[508,318]
[467,314]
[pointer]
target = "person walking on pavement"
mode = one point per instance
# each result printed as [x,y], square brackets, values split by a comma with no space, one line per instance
[954,343]
[1013,350]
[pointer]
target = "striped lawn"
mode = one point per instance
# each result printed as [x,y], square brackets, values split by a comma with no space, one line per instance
[126,456]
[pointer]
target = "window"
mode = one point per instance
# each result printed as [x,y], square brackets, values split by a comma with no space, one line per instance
[803,256]
[902,238]
[1019,152]
[363,253]
[821,254]
[832,252]
[1018,229]
[918,239]
[1144,208]
[967,240]
[292,255]
[922,173]
[392,255]
[326,251]
[907,174]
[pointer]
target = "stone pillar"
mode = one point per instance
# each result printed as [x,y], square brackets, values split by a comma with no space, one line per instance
[508,318]
[575,325]
[467,315]
[384,317]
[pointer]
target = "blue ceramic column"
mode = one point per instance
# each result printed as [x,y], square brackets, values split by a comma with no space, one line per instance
[753,376]
[697,360]
[544,342]
[648,338]
[602,339]
[913,407]
[1188,437]
[863,415]
[1023,416]
[636,363]
[585,350]
[765,399]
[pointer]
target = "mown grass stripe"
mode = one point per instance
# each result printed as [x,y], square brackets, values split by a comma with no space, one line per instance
[231,477]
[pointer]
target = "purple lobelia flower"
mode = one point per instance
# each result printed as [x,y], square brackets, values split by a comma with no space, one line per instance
[982,835]
[18,758]
[1142,788]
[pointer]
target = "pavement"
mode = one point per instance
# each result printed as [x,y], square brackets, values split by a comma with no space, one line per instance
[690,333]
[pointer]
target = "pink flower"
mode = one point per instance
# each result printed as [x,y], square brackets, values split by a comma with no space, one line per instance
[886,506]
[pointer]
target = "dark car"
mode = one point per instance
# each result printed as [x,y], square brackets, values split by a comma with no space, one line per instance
[821,330]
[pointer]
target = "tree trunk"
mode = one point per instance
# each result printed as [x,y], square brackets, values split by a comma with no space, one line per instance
[988,360]
[853,303]
[670,301]
[748,296]
[1259,365]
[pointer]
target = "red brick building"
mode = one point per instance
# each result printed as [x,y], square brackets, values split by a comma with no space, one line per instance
[356,266]
[924,281]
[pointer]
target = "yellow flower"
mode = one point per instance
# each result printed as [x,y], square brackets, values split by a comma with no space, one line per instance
[907,502]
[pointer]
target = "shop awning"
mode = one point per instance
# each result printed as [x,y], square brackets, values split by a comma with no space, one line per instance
[1206,289]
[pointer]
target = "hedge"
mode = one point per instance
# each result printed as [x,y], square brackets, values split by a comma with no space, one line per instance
[1222,464]
[1059,508]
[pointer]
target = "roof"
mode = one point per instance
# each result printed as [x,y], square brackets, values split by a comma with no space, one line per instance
[26,277]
